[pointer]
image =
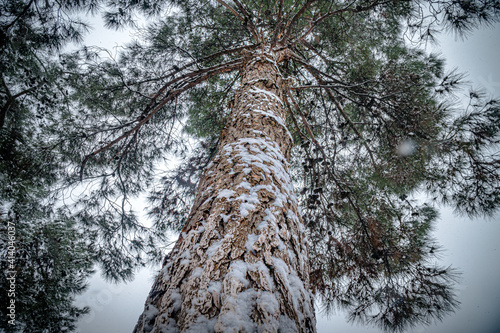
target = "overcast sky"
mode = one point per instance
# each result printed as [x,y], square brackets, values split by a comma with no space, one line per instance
[472,246]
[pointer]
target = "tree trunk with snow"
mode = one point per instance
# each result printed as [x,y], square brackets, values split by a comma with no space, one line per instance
[240,264]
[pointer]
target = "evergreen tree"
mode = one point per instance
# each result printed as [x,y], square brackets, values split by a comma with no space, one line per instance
[326,97]
[49,259]
[52,263]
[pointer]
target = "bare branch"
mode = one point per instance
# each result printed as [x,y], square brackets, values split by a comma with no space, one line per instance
[330,171]
[248,16]
[193,63]
[20,15]
[10,99]
[246,21]
[322,18]
[312,68]
[304,120]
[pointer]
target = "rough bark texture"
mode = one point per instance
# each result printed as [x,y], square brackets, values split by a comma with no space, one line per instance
[240,264]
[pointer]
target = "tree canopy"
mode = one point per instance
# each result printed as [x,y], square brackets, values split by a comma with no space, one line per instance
[373,118]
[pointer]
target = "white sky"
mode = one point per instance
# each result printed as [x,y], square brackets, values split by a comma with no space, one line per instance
[472,246]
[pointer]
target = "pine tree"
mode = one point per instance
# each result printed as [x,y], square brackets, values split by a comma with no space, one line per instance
[315,104]
[324,96]
[52,264]
[50,260]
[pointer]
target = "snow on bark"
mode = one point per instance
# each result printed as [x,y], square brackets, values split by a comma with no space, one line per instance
[240,264]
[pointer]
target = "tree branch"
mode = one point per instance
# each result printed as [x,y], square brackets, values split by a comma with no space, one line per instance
[328,170]
[322,18]
[247,21]
[197,78]
[295,18]
[315,73]
[279,22]
[196,62]
[348,8]
[20,15]
[231,9]
[188,75]
[10,99]
[304,120]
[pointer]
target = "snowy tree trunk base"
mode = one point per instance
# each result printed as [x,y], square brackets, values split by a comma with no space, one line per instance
[240,264]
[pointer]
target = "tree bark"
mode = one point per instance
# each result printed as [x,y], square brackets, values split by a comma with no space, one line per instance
[240,264]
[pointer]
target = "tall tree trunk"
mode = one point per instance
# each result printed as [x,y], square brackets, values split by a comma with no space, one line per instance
[240,264]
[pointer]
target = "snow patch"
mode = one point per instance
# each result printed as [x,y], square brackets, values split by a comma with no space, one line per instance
[256,90]
[269,219]
[197,272]
[245,208]
[287,325]
[185,262]
[226,194]
[238,270]
[239,319]
[225,217]
[214,286]
[277,119]
[244,184]
[213,248]
[294,284]
[185,255]
[201,324]
[170,327]
[149,314]
[252,238]
[176,299]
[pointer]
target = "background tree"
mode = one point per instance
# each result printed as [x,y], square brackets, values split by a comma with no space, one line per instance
[53,258]
[52,265]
